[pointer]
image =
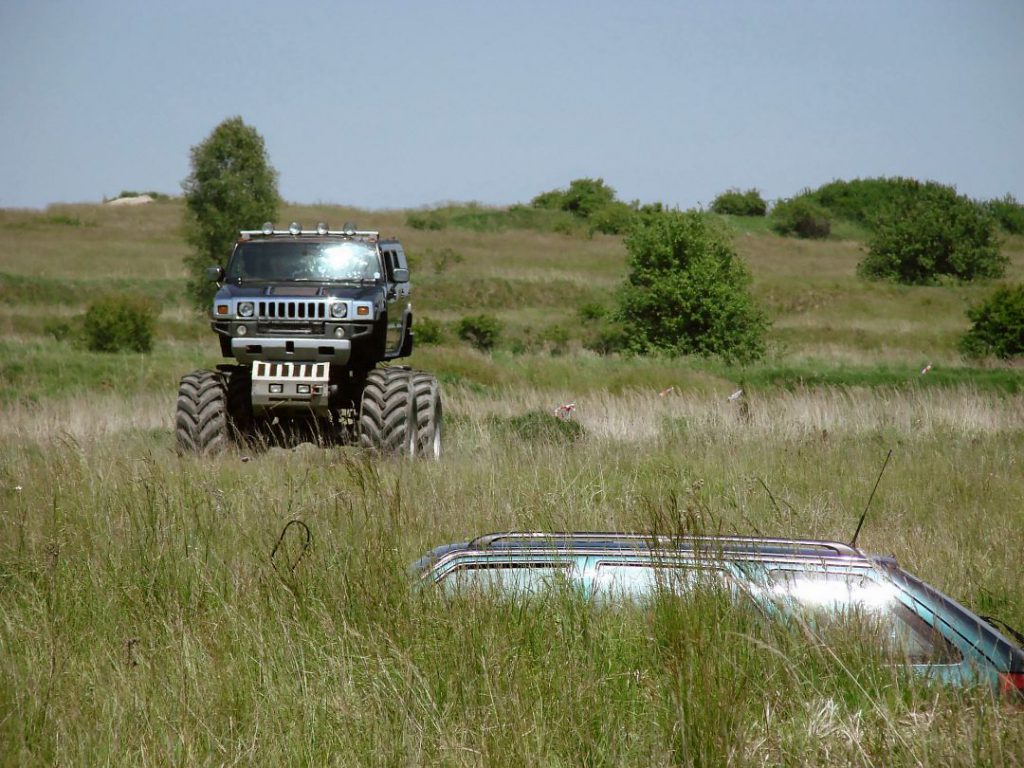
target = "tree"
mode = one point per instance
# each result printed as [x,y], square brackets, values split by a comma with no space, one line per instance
[687,292]
[932,232]
[232,187]
[583,198]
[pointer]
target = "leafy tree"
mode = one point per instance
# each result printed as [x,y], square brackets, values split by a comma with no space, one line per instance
[930,233]
[232,187]
[998,325]
[687,292]
[736,203]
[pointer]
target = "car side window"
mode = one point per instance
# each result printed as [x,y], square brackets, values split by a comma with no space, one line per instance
[634,580]
[520,578]
[829,601]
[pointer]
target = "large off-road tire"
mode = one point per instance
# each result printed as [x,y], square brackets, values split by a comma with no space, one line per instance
[387,412]
[429,415]
[201,416]
[241,421]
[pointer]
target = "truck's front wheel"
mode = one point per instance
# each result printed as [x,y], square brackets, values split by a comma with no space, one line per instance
[387,412]
[201,415]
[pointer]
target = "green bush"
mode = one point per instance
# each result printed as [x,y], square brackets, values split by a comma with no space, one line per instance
[428,331]
[687,292]
[802,217]
[733,202]
[930,233]
[426,220]
[482,331]
[120,322]
[612,219]
[861,200]
[538,427]
[998,325]
[1008,214]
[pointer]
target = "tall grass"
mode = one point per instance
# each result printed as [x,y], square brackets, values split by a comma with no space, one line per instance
[143,620]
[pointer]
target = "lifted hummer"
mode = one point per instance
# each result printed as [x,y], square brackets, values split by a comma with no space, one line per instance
[308,315]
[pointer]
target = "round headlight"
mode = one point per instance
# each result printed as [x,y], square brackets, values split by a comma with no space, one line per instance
[322,228]
[268,228]
[295,228]
[245,309]
[339,309]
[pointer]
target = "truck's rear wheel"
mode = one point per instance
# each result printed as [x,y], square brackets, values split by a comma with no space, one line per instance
[429,415]
[387,412]
[201,416]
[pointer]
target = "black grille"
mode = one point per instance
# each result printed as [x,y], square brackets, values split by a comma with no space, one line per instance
[292,310]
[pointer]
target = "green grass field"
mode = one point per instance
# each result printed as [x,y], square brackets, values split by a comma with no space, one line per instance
[143,621]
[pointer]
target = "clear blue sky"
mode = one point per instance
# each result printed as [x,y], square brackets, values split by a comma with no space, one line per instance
[388,104]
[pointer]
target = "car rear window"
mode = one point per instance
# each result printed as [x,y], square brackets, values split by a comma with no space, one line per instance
[831,601]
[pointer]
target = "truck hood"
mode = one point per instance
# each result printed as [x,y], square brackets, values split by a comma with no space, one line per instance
[303,290]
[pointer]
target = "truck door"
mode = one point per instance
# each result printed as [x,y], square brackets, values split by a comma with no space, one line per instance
[397,272]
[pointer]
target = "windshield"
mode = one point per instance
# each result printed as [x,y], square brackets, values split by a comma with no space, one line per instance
[306,261]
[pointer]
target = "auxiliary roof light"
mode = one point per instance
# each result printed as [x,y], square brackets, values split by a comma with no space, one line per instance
[295,228]
[268,227]
[322,228]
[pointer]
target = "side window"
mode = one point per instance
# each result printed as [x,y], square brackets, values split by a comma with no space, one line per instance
[389,264]
[400,260]
[635,580]
[526,578]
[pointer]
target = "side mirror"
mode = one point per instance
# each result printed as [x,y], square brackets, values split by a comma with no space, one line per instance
[215,274]
[401,275]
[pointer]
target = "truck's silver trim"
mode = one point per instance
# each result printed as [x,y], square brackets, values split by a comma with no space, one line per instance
[248,349]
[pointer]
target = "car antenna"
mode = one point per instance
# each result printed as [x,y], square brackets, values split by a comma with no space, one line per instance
[864,514]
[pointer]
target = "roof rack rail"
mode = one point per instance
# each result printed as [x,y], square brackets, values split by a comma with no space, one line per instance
[367,233]
[726,543]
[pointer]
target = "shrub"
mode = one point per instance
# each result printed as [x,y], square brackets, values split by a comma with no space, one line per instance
[232,186]
[998,325]
[443,257]
[736,203]
[583,198]
[802,217]
[482,331]
[861,200]
[538,427]
[1008,214]
[930,233]
[428,331]
[120,322]
[429,220]
[612,219]
[591,311]
[687,292]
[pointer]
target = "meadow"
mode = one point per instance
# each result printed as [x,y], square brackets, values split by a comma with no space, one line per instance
[143,619]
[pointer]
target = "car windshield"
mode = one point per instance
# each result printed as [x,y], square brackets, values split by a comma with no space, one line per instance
[304,261]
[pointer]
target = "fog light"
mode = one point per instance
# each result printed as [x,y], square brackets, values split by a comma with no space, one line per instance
[302,389]
[340,332]
[321,228]
[295,228]
[241,330]
[276,389]
[268,228]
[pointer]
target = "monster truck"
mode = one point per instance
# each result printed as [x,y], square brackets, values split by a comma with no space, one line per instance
[314,320]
